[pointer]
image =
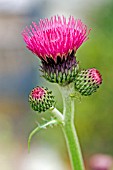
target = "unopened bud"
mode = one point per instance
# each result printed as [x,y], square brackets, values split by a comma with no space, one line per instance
[87,81]
[41,99]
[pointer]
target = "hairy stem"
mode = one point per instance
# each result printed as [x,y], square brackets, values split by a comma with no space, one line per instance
[57,113]
[70,131]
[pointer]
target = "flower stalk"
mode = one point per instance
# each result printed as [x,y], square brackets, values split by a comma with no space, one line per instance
[69,131]
[57,114]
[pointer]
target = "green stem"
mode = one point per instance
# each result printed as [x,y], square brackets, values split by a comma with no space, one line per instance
[37,129]
[70,131]
[57,113]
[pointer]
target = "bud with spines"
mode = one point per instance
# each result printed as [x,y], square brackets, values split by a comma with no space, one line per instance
[63,71]
[41,99]
[88,81]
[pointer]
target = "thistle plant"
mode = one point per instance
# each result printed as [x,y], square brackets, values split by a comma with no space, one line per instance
[56,42]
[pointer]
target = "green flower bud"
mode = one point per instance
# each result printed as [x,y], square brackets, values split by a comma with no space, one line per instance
[87,81]
[41,99]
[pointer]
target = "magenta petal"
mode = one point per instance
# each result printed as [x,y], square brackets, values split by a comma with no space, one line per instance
[55,37]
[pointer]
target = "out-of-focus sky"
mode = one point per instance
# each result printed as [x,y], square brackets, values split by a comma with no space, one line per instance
[22,6]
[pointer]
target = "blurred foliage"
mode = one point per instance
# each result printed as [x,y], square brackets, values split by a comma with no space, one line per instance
[94,118]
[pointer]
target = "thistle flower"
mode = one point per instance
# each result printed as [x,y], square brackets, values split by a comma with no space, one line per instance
[87,81]
[41,99]
[55,42]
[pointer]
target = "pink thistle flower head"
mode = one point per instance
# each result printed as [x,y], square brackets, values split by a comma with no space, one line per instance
[87,81]
[55,42]
[55,37]
[41,99]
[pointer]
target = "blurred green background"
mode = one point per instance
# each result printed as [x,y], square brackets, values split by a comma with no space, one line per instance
[19,74]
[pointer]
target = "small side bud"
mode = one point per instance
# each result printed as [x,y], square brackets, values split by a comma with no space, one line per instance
[41,99]
[87,81]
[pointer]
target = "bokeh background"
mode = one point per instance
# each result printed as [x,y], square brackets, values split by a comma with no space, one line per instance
[19,74]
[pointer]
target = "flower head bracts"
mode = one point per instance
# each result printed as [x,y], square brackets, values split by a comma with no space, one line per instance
[55,37]
[63,72]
